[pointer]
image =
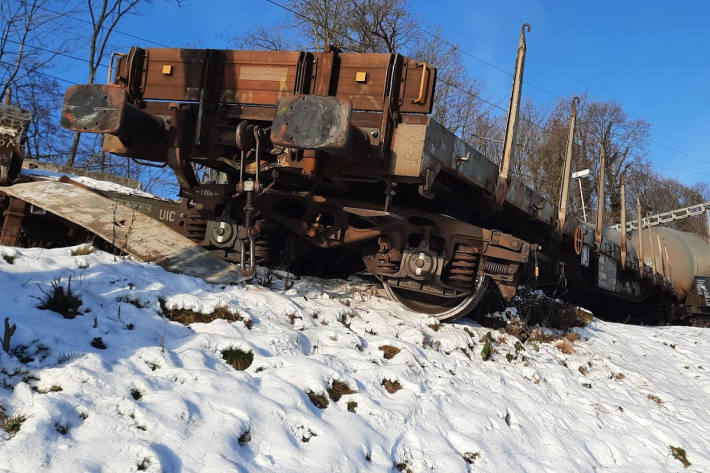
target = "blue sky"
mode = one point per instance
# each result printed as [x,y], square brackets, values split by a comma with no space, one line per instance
[650,56]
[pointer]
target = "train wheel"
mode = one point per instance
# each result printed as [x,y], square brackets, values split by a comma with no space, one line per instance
[446,309]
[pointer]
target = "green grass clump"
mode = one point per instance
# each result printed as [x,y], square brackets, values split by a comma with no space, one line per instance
[238,359]
[338,390]
[189,316]
[486,351]
[318,400]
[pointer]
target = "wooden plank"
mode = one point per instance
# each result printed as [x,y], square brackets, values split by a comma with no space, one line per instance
[368,95]
[250,77]
[127,229]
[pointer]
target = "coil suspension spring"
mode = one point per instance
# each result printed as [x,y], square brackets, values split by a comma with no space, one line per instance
[464,264]
[195,226]
[263,246]
[495,267]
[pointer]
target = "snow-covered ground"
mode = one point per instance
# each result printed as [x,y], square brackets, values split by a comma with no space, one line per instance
[89,182]
[160,397]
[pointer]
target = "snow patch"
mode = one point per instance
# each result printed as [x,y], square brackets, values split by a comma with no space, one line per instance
[161,396]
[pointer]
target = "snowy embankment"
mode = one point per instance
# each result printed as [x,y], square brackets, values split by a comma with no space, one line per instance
[160,397]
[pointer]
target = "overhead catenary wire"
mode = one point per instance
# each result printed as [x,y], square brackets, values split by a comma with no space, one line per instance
[487,63]
[54,51]
[61,79]
[80,20]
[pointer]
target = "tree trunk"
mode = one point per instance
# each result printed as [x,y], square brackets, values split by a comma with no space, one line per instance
[74,147]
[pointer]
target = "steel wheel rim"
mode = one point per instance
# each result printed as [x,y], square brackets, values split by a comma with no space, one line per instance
[453,310]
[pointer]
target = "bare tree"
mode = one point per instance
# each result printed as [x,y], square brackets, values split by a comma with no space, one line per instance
[45,138]
[381,26]
[323,22]
[599,124]
[266,38]
[456,103]
[26,45]
[624,140]
[374,26]
[539,154]
[659,194]
[105,16]
[32,36]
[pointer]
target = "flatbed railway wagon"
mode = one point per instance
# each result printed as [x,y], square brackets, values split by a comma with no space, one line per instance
[321,161]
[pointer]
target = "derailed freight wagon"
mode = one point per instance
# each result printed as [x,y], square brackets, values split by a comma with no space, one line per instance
[332,159]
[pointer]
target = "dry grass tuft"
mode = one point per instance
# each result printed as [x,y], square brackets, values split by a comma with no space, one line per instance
[679,454]
[82,250]
[60,299]
[544,311]
[389,351]
[53,389]
[565,346]
[572,337]
[11,424]
[308,435]
[134,301]
[189,316]
[238,359]
[144,464]
[471,457]
[318,400]
[535,312]
[245,437]
[655,399]
[391,386]
[61,428]
[338,390]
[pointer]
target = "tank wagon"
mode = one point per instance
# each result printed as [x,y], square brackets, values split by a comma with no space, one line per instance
[330,161]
